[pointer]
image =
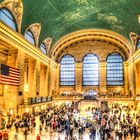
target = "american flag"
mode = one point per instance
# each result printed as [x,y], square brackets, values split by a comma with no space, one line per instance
[9,75]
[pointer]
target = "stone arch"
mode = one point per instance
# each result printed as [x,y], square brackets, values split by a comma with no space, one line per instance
[92,34]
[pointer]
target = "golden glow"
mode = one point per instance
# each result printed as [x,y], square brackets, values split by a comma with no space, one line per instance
[26,88]
[139,18]
[85,34]
[5,87]
[18,41]
[27,110]
[11,111]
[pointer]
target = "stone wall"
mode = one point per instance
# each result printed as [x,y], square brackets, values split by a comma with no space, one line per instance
[102,49]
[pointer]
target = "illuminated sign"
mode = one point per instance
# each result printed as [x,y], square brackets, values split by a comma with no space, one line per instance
[36,100]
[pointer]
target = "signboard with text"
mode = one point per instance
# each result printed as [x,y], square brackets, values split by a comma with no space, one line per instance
[36,100]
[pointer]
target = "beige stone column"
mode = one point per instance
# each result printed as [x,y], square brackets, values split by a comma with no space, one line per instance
[102,77]
[43,80]
[20,64]
[57,80]
[78,77]
[37,77]
[47,80]
[126,81]
[137,80]
[52,79]
[32,78]
[131,73]
[26,82]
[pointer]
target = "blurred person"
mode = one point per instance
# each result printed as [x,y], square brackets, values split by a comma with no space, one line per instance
[0,135]
[5,135]
[38,137]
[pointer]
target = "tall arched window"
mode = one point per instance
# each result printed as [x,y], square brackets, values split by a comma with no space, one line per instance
[43,48]
[30,37]
[7,17]
[115,76]
[67,71]
[138,43]
[90,70]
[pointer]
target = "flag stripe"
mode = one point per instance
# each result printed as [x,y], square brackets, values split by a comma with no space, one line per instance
[9,83]
[13,68]
[11,72]
[9,79]
[12,78]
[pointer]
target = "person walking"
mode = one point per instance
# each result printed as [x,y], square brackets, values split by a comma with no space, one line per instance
[135,132]
[5,135]
[0,135]
[25,134]
[16,136]
[38,137]
[125,134]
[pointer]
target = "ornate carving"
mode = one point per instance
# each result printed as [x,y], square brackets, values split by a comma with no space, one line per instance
[16,7]
[35,29]
[48,42]
[134,37]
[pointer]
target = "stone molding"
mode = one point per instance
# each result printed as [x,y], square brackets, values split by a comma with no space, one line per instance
[18,41]
[91,34]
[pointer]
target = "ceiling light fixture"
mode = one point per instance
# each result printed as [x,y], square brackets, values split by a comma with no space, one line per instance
[139,18]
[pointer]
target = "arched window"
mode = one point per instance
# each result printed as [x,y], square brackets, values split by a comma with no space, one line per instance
[67,71]
[7,17]
[43,48]
[29,36]
[138,43]
[115,70]
[90,70]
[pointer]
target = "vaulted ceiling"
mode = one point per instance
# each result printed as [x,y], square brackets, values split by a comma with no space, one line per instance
[60,17]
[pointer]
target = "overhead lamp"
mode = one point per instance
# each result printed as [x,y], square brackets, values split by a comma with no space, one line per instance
[139,18]
[26,88]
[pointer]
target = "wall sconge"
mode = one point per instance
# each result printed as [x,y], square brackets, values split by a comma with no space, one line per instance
[26,88]
[139,18]
[6,87]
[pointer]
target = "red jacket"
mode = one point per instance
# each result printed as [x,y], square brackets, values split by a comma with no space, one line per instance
[38,138]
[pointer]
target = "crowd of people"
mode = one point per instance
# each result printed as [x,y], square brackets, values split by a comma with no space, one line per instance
[113,123]
[91,94]
[70,95]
